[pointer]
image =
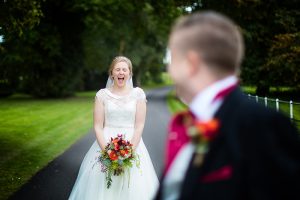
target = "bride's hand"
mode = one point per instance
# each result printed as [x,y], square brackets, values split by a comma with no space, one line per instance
[102,146]
[133,146]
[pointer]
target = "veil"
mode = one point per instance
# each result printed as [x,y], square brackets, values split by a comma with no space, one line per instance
[110,83]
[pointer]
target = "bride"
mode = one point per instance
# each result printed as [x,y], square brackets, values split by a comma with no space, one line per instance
[119,109]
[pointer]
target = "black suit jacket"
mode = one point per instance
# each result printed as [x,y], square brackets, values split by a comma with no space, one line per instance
[259,145]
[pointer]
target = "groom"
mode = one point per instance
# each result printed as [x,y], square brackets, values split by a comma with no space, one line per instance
[225,146]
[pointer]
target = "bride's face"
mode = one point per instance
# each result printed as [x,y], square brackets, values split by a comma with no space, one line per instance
[120,74]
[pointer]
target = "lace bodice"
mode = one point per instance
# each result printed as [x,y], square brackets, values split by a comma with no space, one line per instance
[120,110]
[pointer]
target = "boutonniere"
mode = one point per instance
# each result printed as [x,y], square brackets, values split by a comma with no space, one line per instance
[201,134]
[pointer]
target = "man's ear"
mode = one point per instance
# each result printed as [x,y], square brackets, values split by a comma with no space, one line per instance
[194,62]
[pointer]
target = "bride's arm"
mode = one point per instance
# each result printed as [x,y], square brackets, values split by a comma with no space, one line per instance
[140,117]
[98,122]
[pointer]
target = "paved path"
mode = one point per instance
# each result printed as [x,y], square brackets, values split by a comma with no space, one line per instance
[56,180]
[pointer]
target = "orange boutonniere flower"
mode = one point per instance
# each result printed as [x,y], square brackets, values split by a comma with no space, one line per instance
[208,129]
[201,134]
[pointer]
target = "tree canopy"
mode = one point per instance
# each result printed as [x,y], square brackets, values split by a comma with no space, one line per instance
[52,48]
[69,45]
[271,32]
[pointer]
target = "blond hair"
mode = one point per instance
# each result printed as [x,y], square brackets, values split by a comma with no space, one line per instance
[117,60]
[214,36]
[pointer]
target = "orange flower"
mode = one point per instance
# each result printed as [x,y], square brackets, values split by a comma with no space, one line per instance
[208,129]
[123,152]
[113,155]
[116,140]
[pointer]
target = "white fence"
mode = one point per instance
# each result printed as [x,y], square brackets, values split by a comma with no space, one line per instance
[269,102]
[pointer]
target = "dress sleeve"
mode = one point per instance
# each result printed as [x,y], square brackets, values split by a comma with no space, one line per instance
[140,95]
[100,96]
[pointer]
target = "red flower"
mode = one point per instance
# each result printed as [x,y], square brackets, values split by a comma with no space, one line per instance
[117,147]
[113,155]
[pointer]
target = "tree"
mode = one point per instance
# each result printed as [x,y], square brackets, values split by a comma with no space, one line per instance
[283,61]
[137,29]
[73,43]
[262,23]
[50,55]
[19,16]
[16,17]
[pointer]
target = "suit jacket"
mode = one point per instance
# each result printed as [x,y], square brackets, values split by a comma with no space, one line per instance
[256,155]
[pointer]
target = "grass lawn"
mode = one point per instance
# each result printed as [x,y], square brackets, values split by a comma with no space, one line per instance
[175,105]
[33,132]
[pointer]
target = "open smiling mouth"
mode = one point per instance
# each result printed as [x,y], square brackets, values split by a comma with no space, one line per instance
[121,80]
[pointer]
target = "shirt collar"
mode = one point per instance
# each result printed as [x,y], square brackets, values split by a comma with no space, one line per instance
[202,101]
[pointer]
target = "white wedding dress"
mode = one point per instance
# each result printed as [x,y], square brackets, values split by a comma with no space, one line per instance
[141,183]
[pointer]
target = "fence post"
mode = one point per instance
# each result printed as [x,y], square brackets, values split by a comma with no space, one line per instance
[256,97]
[291,110]
[277,105]
[266,101]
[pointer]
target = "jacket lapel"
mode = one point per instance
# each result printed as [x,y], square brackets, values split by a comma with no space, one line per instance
[224,115]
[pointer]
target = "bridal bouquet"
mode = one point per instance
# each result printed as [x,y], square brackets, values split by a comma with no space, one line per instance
[117,157]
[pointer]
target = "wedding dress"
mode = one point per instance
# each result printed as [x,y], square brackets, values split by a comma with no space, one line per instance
[141,182]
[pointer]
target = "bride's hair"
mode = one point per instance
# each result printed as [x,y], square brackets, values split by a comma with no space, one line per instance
[117,60]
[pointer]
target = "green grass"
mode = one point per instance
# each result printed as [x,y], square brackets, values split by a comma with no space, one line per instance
[33,132]
[174,104]
[249,89]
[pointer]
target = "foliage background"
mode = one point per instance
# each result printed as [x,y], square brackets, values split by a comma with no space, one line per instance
[53,48]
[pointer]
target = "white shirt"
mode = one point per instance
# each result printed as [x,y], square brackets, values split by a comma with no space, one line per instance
[203,107]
